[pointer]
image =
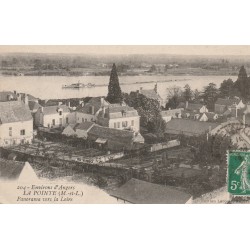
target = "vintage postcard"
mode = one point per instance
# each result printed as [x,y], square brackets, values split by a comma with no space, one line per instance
[125,124]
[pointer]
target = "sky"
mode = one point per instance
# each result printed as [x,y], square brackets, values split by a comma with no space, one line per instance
[129,49]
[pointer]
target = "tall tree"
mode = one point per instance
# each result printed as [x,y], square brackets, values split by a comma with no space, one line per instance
[114,89]
[210,95]
[187,93]
[242,82]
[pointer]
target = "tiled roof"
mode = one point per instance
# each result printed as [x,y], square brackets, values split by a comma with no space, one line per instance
[150,93]
[54,109]
[14,111]
[194,106]
[118,111]
[142,192]
[10,169]
[188,127]
[93,102]
[171,112]
[111,133]
[227,102]
[84,125]
[4,96]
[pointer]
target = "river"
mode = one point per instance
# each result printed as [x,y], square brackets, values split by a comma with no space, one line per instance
[50,87]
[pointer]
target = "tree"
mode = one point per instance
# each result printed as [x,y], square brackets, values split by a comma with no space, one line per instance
[153,68]
[210,95]
[114,90]
[242,83]
[149,111]
[226,88]
[187,93]
[174,97]
[196,95]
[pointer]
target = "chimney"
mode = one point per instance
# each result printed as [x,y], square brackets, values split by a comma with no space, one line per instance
[15,92]
[26,99]
[140,90]
[19,97]
[59,103]
[102,101]
[186,104]
[69,104]
[42,109]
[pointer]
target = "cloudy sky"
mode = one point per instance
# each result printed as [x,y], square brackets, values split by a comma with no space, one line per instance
[130,49]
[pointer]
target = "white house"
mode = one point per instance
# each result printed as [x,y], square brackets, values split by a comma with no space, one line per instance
[90,111]
[221,105]
[119,116]
[208,116]
[16,123]
[54,116]
[167,115]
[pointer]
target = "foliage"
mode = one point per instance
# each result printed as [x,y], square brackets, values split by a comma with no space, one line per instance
[210,95]
[211,150]
[187,93]
[226,88]
[114,89]
[242,83]
[149,111]
[174,97]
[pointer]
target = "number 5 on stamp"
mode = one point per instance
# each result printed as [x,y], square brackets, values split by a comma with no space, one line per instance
[239,173]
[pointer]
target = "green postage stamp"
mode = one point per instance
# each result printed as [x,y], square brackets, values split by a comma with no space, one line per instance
[239,173]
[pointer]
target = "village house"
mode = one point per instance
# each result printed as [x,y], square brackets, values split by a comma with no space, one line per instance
[79,130]
[119,116]
[90,110]
[222,105]
[114,139]
[151,94]
[54,116]
[167,115]
[193,107]
[142,192]
[6,96]
[208,117]
[16,123]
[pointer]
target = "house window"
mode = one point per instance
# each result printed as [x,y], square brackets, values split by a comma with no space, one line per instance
[53,122]
[10,131]
[67,120]
[124,124]
[114,124]
[22,132]
[118,124]
[82,119]
[132,123]
[60,121]
[86,120]
[60,112]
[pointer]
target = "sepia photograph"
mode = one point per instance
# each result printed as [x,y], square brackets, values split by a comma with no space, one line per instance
[124,124]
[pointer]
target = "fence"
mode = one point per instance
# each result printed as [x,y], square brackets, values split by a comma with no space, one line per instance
[164,145]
